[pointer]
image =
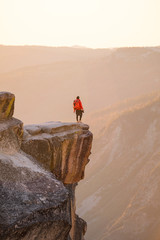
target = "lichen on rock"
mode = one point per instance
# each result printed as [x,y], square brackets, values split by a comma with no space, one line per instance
[6,105]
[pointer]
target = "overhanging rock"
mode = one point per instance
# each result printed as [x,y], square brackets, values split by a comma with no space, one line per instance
[62,148]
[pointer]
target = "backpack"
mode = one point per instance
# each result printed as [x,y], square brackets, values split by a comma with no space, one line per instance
[76,104]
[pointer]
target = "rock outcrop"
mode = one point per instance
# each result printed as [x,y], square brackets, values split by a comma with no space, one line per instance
[34,161]
[6,105]
[63,149]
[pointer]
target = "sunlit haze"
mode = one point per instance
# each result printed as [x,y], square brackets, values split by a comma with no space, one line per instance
[107,52]
[90,23]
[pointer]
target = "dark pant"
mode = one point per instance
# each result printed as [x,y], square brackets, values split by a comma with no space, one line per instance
[78,113]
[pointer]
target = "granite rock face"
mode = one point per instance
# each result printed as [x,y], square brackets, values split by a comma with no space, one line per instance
[6,105]
[80,229]
[33,203]
[35,162]
[62,148]
[11,133]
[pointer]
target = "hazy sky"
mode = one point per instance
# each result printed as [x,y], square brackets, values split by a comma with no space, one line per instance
[91,23]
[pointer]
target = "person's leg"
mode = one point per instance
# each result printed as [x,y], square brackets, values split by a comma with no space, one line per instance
[77,115]
[80,115]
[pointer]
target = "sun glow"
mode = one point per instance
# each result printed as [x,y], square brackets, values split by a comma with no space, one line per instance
[91,23]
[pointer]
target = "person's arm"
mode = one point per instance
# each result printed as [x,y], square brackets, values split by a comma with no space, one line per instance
[73,106]
[81,104]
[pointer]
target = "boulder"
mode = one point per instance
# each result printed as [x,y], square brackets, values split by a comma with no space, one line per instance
[80,228]
[33,203]
[11,133]
[62,148]
[6,105]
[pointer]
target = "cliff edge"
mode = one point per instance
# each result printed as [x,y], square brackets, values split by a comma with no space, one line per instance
[62,148]
[40,167]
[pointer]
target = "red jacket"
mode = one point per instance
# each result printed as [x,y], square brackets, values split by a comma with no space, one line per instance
[77,104]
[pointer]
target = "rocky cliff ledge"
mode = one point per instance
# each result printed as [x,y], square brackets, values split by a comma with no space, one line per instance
[62,148]
[40,166]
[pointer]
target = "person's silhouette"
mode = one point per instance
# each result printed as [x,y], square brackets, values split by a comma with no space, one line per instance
[78,108]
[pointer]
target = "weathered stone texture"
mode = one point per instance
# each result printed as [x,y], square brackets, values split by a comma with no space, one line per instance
[6,105]
[33,204]
[80,228]
[62,148]
[11,132]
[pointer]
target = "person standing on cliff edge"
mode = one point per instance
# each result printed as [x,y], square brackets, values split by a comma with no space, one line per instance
[78,108]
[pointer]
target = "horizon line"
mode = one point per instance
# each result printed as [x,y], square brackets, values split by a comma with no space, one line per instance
[76,46]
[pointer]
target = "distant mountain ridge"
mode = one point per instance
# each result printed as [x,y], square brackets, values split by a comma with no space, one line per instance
[107,115]
[16,57]
[101,77]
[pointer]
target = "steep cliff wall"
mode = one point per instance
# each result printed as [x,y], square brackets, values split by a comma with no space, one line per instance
[63,149]
[34,203]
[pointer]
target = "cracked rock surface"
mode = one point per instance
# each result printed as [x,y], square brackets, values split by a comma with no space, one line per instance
[62,148]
